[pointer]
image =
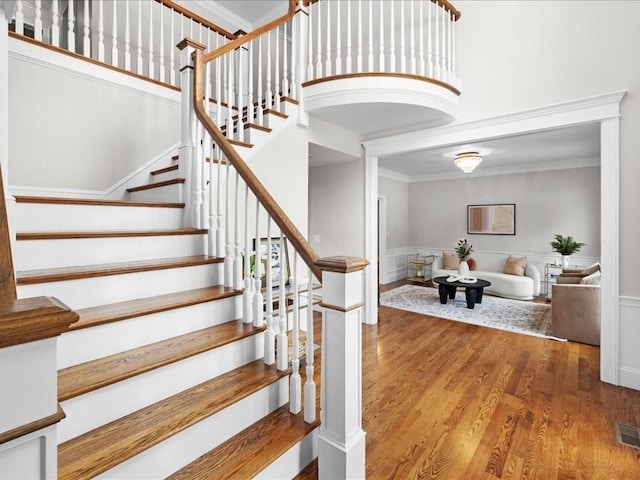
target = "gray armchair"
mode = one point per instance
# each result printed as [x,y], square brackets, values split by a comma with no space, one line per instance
[575,313]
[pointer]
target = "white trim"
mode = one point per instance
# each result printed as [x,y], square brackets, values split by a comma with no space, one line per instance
[382,236]
[68,64]
[630,302]
[55,192]
[383,172]
[629,377]
[371,239]
[575,112]
[511,170]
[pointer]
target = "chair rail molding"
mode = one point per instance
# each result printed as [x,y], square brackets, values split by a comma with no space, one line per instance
[604,109]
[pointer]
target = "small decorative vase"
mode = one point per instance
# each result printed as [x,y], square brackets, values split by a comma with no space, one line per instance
[463,268]
[566,259]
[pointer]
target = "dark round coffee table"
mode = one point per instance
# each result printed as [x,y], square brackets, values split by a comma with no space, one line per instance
[472,291]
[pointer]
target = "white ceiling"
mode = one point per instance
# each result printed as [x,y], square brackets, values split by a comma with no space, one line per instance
[563,148]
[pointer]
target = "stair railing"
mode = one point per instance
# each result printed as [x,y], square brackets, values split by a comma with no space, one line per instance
[138,36]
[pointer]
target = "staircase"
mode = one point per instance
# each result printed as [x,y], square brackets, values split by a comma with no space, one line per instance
[159,377]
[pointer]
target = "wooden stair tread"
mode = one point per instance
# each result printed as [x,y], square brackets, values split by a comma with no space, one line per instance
[149,186]
[239,143]
[89,376]
[95,201]
[250,451]
[93,316]
[171,168]
[71,234]
[105,447]
[74,273]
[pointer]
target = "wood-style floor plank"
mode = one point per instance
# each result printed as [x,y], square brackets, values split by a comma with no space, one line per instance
[99,450]
[86,377]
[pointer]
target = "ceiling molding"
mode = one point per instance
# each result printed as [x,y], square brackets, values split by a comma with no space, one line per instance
[510,170]
[574,112]
[382,172]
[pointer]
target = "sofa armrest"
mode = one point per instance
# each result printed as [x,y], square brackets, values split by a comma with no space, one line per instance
[533,272]
[437,263]
[568,280]
[575,313]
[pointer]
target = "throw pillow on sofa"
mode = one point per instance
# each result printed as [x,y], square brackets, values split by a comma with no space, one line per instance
[593,279]
[515,266]
[450,261]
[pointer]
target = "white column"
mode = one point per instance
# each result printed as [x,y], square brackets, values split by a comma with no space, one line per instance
[371,238]
[341,440]
[187,149]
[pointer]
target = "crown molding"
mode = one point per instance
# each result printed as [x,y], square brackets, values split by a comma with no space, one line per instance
[382,172]
[574,112]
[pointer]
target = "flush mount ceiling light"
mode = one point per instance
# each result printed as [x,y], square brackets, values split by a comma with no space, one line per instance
[468,161]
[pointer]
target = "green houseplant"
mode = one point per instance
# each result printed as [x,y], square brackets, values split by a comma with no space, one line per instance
[566,246]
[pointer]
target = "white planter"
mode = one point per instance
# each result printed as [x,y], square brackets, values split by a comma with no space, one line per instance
[463,268]
[566,259]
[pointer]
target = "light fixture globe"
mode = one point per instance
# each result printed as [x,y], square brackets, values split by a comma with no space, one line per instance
[468,161]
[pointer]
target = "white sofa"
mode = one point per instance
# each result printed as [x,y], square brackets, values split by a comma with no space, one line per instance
[502,284]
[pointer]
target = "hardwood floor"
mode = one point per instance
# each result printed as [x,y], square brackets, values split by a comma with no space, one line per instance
[448,400]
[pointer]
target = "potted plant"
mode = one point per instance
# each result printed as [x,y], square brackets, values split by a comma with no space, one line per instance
[566,246]
[463,249]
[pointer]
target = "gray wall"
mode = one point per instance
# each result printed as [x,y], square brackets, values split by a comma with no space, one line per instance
[562,201]
[336,208]
[397,202]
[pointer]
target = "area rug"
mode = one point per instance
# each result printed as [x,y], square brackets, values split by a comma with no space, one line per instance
[518,316]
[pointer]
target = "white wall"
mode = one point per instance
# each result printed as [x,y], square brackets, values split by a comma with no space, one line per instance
[336,208]
[562,201]
[397,202]
[514,55]
[73,131]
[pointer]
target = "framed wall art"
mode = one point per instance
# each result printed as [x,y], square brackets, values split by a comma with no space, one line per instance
[492,219]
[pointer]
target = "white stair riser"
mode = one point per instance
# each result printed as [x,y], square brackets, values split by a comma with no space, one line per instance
[29,217]
[255,136]
[167,193]
[181,449]
[39,254]
[88,344]
[86,412]
[162,177]
[294,460]
[91,292]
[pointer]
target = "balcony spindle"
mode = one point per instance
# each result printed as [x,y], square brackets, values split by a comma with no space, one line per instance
[295,382]
[295,61]
[319,43]
[101,31]
[114,35]
[282,339]
[403,50]
[359,52]
[437,46]
[454,76]
[328,69]
[19,18]
[71,36]
[412,45]
[139,62]
[229,96]
[260,99]
[86,30]
[268,93]
[285,64]
[269,334]
[338,41]
[381,38]
[276,74]
[37,23]
[421,55]
[370,57]
[429,42]
[127,38]
[162,75]
[258,298]
[247,295]
[349,60]
[241,79]
[392,39]
[152,67]
[55,24]
[310,384]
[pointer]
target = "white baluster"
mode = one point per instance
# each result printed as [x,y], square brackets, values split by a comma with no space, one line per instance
[421,33]
[319,42]
[101,31]
[139,68]
[328,66]
[292,87]
[258,299]
[269,334]
[268,93]
[349,60]
[241,80]
[359,55]
[55,24]
[412,45]
[392,40]
[454,75]
[162,75]
[220,233]
[237,261]
[381,37]
[310,50]
[152,67]
[172,42]
[86,29]
[276,88]
[260,118]
[338,41]
[437,41]
[282,339]
[247,296]
[37,23]
[403,53]
[212,249]
[295,382]
[127,37]
[218,64]
[449,47]
[285,64]
[429,41]
[71,36]
[370,57]
[114,36]
[228,258]
[310,384]
[250,103]
[19,16]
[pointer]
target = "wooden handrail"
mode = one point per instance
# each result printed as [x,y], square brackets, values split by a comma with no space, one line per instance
[196,18]
[295,237]
[443,3]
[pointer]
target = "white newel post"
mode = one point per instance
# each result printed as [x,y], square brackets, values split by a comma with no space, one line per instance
[341,440]
[187,149]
